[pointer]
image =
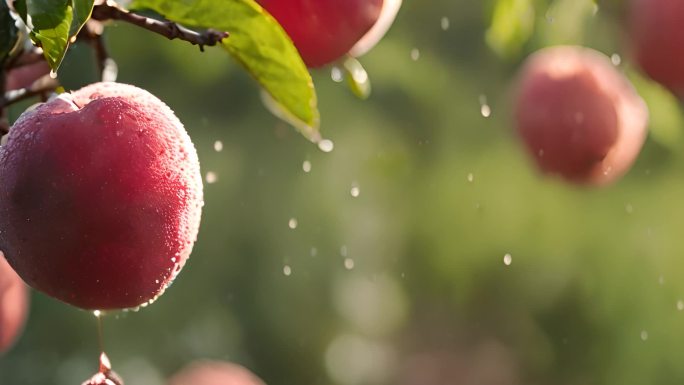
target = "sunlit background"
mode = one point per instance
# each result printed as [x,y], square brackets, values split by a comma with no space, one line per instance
[424,249]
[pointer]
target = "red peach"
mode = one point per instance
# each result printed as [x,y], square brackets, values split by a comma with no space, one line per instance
[24,76]
[214,373]
[389,11]
[578,116]
[324,30]
[656,38]
[101,197]
[13,305]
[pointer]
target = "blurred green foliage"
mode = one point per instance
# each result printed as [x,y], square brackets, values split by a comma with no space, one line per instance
[394,271]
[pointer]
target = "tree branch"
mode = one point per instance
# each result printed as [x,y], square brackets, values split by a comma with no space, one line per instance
[92,34]
[25,58]
[41,86]
[170,30]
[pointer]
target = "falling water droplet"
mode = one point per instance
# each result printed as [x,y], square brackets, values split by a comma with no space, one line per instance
[355,190]
[292,223]
[615,59]
[661,280]
[306,166]
[445,23]
[211,177]
[218,146]
[507,259]
[594,9]
[644,335]
[287,270]
[314,252]
[343,251]
[680,305]
[104,375]
[97,313]
[485,110]
[415,54]
[337,74]
[359,75]
[470,177]
[348,263]
[629,208]
[326,145]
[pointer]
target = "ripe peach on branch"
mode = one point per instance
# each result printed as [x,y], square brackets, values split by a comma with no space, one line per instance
[100,197]
[578,116]
[325,30]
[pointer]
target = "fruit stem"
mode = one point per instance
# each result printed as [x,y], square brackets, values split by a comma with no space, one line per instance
[109,10]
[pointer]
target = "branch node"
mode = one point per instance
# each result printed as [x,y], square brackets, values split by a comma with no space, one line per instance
[170,30]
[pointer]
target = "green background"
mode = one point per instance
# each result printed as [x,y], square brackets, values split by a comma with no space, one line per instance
[591,293]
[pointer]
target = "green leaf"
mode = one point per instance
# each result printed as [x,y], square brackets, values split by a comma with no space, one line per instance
[82,11]
[511,27]
[666,119]
[50,23]
[260,44]
[8,32]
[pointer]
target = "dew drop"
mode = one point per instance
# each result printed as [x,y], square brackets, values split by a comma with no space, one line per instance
[615,59]
[287,270]
[97,313]
[444,23]
[359,75]
[105,364]
[348,263]
[292,223]
[485,110]
[415,54]
[306,166]
[53,74]
[337,74]
[218,146]
[507,259]
[326,145]
[211,177]
[355,190]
